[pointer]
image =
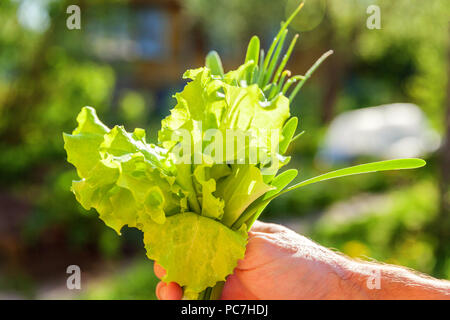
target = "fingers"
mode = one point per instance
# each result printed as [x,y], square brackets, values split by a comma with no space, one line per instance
[262,242]
[159,271]
[159,290]
[168,291]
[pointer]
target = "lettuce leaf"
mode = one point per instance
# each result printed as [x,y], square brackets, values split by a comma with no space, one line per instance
[209,103]
[122,176]
[212,206]
[199,102]
[85,141]
[195,251]
[243,186]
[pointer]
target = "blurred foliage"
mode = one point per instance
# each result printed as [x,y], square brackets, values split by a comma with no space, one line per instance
[45,83]
[137,282]
[393,232]
[133,108]
[48,73]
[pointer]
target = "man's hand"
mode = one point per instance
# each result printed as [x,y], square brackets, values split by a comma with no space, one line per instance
[281,264]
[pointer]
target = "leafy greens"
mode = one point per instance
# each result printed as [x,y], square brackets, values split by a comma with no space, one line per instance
[195,213]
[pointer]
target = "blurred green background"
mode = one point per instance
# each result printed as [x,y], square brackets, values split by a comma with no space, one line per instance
[127,61]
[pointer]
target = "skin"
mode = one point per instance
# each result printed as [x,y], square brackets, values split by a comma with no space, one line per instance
[280,264]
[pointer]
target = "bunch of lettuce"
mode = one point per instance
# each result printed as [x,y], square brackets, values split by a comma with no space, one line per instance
[195,214]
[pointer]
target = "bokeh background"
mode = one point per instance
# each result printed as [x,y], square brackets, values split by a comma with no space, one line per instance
[127,61]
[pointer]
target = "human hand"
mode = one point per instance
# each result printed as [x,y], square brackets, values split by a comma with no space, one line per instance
[278,264]
[281,264]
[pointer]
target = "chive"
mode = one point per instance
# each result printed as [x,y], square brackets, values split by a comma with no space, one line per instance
[309,73]
[277,38]
[277,88]
[297,136]
[285,58]
[261,68]
[290,82]
[254,75]
[268,89]
[274,59]
[268,86]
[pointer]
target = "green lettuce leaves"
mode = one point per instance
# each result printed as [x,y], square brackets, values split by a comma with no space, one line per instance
[239,190]
[125,179]
[129,182]
[196,252]
[209,103]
